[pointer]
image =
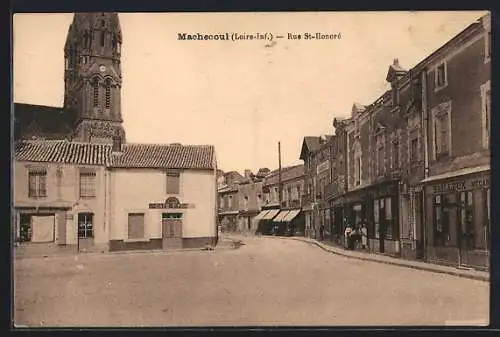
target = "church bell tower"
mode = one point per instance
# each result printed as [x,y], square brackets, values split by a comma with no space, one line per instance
[93,78]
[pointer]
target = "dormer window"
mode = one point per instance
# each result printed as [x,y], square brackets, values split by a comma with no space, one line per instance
[440,76]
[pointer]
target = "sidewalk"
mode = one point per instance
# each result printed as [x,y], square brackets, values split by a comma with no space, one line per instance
[466,273]
[472,274]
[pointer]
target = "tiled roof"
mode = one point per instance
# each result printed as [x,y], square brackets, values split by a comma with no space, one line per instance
[132,155]
[165,156]
[62,151]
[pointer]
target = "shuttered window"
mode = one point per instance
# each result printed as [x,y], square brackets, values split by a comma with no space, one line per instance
[173,182]
[136,225]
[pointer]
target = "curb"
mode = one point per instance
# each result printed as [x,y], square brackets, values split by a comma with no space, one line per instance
[395,263]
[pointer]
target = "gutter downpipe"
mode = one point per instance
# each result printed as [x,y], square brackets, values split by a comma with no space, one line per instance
[425,125]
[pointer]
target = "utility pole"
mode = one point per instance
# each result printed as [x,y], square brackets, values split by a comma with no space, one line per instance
[279,174]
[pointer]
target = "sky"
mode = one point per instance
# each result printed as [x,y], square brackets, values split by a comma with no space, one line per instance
[242,97]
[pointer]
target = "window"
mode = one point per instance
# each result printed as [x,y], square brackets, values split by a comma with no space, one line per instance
[414,150]
[487,46]
[395,154]
[486,114]
[95,86]
[87,184]
[173,182]
[85,225]
[221,202]
[37,184]
[441,130]
[289,193]
[298,192]
[86,37]
[136,225]
[103,23]
[380,159]
[108,93]
[380,146]
[103,38]
[440,78]
[357,173]
[230,201]
[245,202]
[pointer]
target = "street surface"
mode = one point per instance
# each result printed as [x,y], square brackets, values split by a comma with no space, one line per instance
[266,282]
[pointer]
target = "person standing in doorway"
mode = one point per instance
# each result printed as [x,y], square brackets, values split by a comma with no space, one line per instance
[347,233]
[364,235]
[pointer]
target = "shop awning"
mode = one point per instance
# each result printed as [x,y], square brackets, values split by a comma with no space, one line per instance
[261,215]
[457,173]
[281,216]
[291,215]
[271,214]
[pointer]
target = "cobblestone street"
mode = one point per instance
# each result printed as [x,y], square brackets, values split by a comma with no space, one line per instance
[265,282]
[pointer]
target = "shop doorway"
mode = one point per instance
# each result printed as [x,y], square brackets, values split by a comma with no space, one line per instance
[172,230]
[465,227]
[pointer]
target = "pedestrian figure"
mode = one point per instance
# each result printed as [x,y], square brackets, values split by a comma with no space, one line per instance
[364,235]
[347,233]
[321,232]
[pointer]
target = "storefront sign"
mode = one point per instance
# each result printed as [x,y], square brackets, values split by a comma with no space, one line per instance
[170,203]
[458,186]
[450,187]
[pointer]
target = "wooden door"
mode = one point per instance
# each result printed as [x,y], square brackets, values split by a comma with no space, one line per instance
[172,233]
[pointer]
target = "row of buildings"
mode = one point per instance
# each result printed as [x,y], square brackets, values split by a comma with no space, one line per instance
[78,183]
[414,165]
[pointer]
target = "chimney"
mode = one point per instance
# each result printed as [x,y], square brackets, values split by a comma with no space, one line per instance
[248,173]
[117,144]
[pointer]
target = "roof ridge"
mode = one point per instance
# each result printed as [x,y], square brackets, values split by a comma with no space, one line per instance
[169,144]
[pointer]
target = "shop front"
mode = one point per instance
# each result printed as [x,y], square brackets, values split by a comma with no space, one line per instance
[458,219]
[384,232]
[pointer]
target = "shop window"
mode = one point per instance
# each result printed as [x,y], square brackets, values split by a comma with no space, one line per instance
[390,223]
[25,230]
[173,182]
[441,221]
[136,225]
[441,130]
[466,220]
[171,215]
[37,181]
[487,217]
[85,225]
[440,76]
[376,218]
[87,184]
